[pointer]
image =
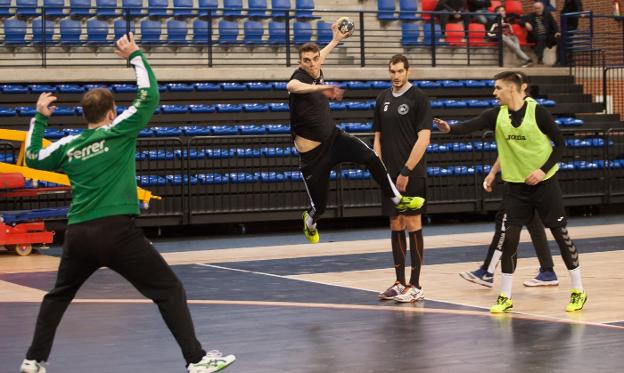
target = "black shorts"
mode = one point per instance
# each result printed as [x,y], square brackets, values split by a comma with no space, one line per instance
[521,201]
[416,187]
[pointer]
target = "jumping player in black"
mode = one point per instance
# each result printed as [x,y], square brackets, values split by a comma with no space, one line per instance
[320,143]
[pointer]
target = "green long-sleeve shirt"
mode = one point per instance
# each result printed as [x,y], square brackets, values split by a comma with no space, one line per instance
[100,163]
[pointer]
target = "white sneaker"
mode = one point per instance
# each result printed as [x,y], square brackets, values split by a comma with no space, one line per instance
[32,366]
[410,294]
[214,361]
[392,291]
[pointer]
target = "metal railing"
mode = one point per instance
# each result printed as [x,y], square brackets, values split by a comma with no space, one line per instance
[204,37]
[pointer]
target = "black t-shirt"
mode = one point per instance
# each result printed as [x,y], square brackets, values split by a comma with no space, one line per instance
[309,112]
[399,119]
[487,121]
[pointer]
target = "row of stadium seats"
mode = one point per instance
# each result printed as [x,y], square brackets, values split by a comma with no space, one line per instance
[234,86]
[178,32]
[158,8]
[27,111]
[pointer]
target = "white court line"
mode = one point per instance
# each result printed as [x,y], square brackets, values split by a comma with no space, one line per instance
[523,314]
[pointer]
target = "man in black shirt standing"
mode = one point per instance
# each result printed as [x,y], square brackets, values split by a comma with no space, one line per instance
[320,143]
[402,126]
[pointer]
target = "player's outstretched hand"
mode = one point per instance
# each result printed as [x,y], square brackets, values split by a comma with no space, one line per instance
[488,182]
[337,34]
[442,125]
[335,93]
[126,46]
[43,104]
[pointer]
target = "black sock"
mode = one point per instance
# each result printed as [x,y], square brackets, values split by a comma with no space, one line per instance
[398,253]
[416,253]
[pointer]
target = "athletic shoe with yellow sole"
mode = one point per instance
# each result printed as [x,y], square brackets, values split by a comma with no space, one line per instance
[311,235]
[503,304]
[577,301]
[409,203]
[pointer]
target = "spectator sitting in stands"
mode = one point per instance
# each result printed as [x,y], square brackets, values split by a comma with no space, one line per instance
[481,6]
[454,8]
[543,30]
[509,38]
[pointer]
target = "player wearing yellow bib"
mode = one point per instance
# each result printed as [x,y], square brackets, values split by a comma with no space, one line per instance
[528,161]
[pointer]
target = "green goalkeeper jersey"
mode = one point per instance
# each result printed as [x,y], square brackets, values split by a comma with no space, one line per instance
[100,163]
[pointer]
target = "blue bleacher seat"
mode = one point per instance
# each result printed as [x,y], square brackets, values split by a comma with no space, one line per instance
[201,108]
[157,8]
[174,109]
[196,131]
[70,88]
[40,88]
[70,30]
[302,32]
[180,87]
[132,8]
[207,8]
[150,32]
[259,86]
[252,129]
[201,33]
[436,104]
[356,105]
[568,121]
[304,9]
[277,128]
[5,8]
[430,37]
[97,32]
[207,87]
[257,9]
[253,32]
[229,108]
[337,106]
[277,33]
[380,84]
[475,83]
[176,32]
[324,33]
[167,132]
[358,84]
[223,130]
[478,103]
[183,8]
[26,8]
[232,8]
[228,32]
[14,32]
[38,31]
[14,88]
[64,111]
[409,34]
[279,86]
[428,84]
[54,8]
[80,8]
[454,104]
[123,88]
[233,86]
[280,8]
[54,133]
[546,102]
[256,108]
[106,8]
[7,112]
[407,10]
[452,84]
[121,26]
[385,10]
[278,107]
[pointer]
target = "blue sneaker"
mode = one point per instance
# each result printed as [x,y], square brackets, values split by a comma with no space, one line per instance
[480,276]
[545,277]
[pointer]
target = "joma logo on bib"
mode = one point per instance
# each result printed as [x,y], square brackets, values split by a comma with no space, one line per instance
[516,137]
[87,152]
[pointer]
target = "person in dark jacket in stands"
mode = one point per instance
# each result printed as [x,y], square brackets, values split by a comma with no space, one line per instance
[543,30]
[480,6]
[453,9]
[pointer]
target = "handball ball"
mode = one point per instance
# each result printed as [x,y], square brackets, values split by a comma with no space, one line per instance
[345,25]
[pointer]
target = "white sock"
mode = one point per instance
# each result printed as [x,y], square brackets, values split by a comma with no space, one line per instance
[575,276]
[494,262]
[310,223]
[507,280]
[396,199]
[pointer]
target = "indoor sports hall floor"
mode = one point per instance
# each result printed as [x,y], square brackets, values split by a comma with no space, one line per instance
[281,305]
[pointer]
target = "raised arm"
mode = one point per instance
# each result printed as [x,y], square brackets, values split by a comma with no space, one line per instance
[52,156]
[337,37]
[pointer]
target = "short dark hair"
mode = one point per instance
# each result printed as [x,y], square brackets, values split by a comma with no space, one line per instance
[309,47]
[516,77]
[96,103]
[399,58]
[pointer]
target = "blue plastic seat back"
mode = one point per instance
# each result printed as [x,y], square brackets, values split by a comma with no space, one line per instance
[232,8]
[14,31]
[70,30]
[132,8]
[277,33]
[280,8]
[80,8]
[228,32]
[157,8]
[304,9]
[302,32]
[257,8]
[385,9]
[409,34]
[150,32]
[201,32]
[176,31]
[324,33]
[253,32]
[54,8]
[121,27]
[39,34]
[428,34]
[207,8]
[5,8]
[97,31]
[106,8]
[183,8]
[26,8]
[407,10]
